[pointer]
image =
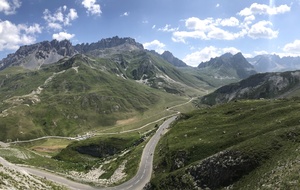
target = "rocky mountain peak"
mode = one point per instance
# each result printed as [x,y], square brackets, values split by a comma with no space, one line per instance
[35,55]
[168,56]
[129,43]
[230,64]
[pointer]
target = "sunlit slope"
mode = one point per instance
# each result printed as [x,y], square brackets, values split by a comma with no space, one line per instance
[263,85]
[70,97]
[243,144]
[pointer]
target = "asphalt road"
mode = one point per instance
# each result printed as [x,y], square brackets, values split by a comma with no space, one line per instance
[142,177]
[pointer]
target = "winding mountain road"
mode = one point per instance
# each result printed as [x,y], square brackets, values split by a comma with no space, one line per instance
[142,177]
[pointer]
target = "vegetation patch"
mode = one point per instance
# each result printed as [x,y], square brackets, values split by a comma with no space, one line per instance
[220,146]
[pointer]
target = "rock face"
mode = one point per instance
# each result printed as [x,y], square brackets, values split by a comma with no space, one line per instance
[263,85]
[232,65]
[221,170]
[36,55]
[127,43]
[33,56]
[168,56]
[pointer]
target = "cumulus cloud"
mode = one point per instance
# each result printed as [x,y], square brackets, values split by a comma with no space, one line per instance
[232,21]
[205,54]
[61,17]
[262,9]
[209,28]
[62,36]
[262,29]
[9,7]
[181,36]
[293,47]
[155,45]
[92,7]
[125,14]
[12,36]
[167,28]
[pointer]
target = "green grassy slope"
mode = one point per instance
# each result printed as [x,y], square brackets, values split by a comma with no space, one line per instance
[236,144]
[75,96]
[209,78]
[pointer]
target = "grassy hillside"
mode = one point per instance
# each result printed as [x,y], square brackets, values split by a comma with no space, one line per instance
[210,78]
[70,97]
[245,144]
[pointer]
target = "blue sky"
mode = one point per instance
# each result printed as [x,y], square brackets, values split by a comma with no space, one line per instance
[193,30]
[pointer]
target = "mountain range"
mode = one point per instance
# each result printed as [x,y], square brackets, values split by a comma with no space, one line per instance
[274,63]
[52,84]
[56,88]
[109,79]
[262,85]
[228,65]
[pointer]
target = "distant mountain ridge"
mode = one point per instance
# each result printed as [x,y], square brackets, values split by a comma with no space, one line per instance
[274,63]
[129,43]
[262,85]
[229,66]
[46,52]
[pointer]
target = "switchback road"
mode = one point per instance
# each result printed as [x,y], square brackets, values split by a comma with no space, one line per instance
[136,183]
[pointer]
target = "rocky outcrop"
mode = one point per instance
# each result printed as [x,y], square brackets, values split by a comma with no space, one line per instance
[126,43]
[168,56]
[221,169]
[33,56]
[36,55]
[265,85]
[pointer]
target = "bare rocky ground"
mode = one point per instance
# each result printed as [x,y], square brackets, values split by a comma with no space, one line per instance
[11,179]
[93,176]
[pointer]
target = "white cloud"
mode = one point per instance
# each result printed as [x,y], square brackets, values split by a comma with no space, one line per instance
[155,45]
[262,52]
[205,54]
[262,9]
[249,20]
[125,14]
[92,7]
[9,6]
[167,28]
[12,36]
[217,5]
[208,29]
[221,34]
[180,36]
[154,26]
[35,28]
[231,50]
[195,23]
[72,15]
[232,21]
[60,18]
[292,47]
[195,58]
[55,26]
[262,30]
[62,36]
